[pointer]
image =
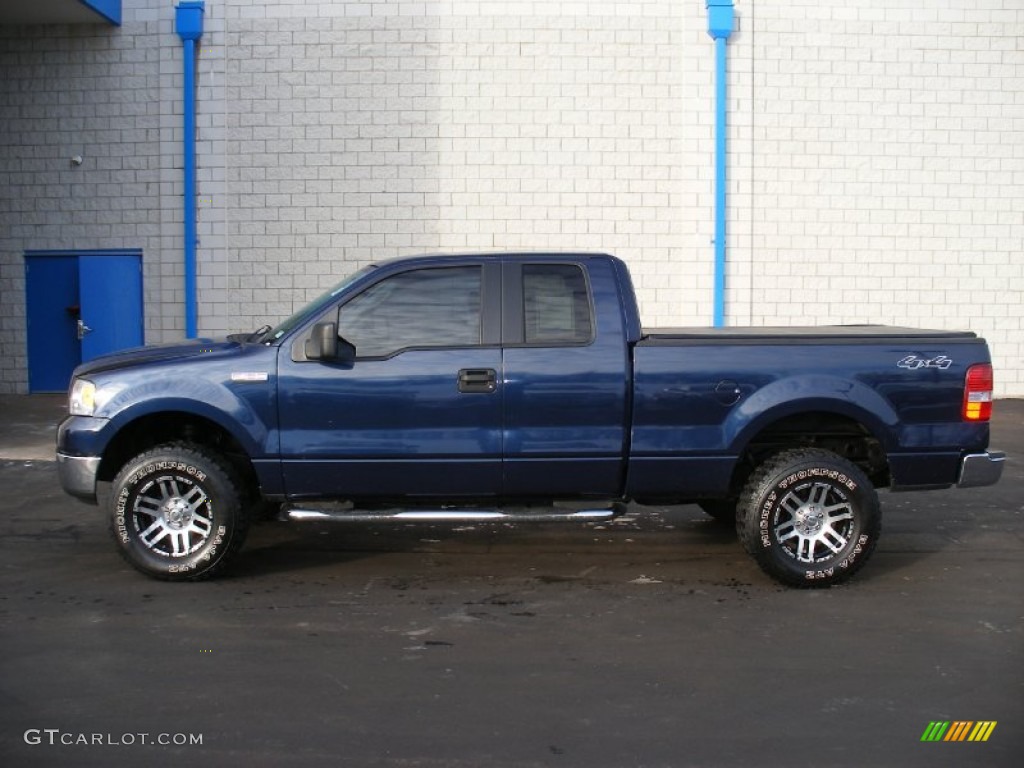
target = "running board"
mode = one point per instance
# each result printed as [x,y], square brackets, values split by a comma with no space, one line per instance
[511,515]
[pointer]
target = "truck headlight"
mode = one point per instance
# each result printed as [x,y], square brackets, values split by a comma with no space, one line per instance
[83,398]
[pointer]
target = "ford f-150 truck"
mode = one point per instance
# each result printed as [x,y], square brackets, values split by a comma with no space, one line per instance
[522,386]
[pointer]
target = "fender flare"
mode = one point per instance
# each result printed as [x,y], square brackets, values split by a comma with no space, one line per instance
[214,403]
[792,396]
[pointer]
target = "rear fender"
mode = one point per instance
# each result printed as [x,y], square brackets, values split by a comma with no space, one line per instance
[795,395]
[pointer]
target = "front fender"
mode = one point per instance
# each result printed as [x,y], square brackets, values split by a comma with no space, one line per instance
[247,415]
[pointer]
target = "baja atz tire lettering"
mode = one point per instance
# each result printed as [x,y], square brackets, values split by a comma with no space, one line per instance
[861,543]
[826,574]
[217,541]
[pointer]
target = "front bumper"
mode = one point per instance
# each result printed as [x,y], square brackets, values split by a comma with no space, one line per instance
[78,475]
[978,469]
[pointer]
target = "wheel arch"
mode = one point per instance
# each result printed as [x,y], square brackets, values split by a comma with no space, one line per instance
[848,418]
[143,431]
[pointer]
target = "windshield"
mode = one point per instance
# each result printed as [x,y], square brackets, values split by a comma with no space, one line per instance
[315,306]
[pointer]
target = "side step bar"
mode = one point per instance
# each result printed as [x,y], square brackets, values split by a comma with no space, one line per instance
[511,515]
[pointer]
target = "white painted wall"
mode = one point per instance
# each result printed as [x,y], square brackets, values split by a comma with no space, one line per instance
[876,154]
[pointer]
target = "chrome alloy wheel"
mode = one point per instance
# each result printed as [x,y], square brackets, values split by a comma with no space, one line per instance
[814,522]
[172,515]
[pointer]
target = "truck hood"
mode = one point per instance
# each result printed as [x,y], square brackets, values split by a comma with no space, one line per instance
[130,358]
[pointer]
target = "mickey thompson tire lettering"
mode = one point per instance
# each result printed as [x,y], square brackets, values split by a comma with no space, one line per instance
[809,517]
[176,512]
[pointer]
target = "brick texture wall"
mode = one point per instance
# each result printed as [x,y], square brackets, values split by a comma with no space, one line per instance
[876,154]
[886,172]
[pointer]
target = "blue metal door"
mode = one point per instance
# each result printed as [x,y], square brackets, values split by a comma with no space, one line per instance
[52,309]
[79,305]
[110,287]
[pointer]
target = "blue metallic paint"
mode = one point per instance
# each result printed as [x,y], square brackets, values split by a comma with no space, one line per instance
[398,426]
[678,419]
[562,421]
[565,431]
[189,379]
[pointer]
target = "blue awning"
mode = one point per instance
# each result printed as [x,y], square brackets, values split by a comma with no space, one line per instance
[61,12]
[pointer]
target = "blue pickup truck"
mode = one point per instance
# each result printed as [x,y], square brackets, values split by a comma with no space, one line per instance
[522,386]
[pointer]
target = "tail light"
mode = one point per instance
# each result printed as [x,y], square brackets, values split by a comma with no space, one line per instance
[978,393]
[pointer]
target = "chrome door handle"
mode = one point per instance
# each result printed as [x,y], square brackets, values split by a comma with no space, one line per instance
[83,329]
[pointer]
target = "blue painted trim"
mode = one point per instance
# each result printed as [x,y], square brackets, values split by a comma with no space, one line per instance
[188,23]
[720,179]
[721,20]
[191,313]
[188,19]
[87,252]
[108,9]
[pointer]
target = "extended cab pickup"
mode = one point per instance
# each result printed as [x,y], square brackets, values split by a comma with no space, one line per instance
[507,386]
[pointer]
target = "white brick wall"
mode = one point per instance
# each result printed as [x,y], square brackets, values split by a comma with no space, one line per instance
[474,126]
[887,167]
[876,153]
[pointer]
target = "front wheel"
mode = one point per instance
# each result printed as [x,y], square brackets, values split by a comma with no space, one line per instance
[177,513]
[809,518]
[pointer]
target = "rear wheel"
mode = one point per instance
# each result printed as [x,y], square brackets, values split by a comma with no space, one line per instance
[177,513]
[809,517]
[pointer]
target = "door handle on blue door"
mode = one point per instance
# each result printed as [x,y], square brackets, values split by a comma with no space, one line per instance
[478,380]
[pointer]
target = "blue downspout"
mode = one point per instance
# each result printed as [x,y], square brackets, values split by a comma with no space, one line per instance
[721,18]
[188,23]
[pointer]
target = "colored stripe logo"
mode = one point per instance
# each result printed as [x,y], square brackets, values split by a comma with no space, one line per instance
[958,730]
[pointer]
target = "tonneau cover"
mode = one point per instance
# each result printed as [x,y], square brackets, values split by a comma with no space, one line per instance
[816,334]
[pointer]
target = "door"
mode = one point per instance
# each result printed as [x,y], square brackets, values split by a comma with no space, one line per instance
[79,305]
[566,381]
[110,287]
[52,310]
[419,410]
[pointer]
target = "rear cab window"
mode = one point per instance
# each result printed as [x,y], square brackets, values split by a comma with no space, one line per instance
[556,305]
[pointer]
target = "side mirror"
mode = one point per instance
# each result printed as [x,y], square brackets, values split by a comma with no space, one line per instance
[323,343]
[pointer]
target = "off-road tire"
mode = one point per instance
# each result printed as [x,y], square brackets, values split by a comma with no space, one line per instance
[176,513]
[809,517]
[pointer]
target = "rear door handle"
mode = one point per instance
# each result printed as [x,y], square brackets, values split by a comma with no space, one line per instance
[478,380]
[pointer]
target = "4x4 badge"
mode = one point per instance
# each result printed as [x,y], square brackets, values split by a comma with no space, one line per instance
[913,362]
